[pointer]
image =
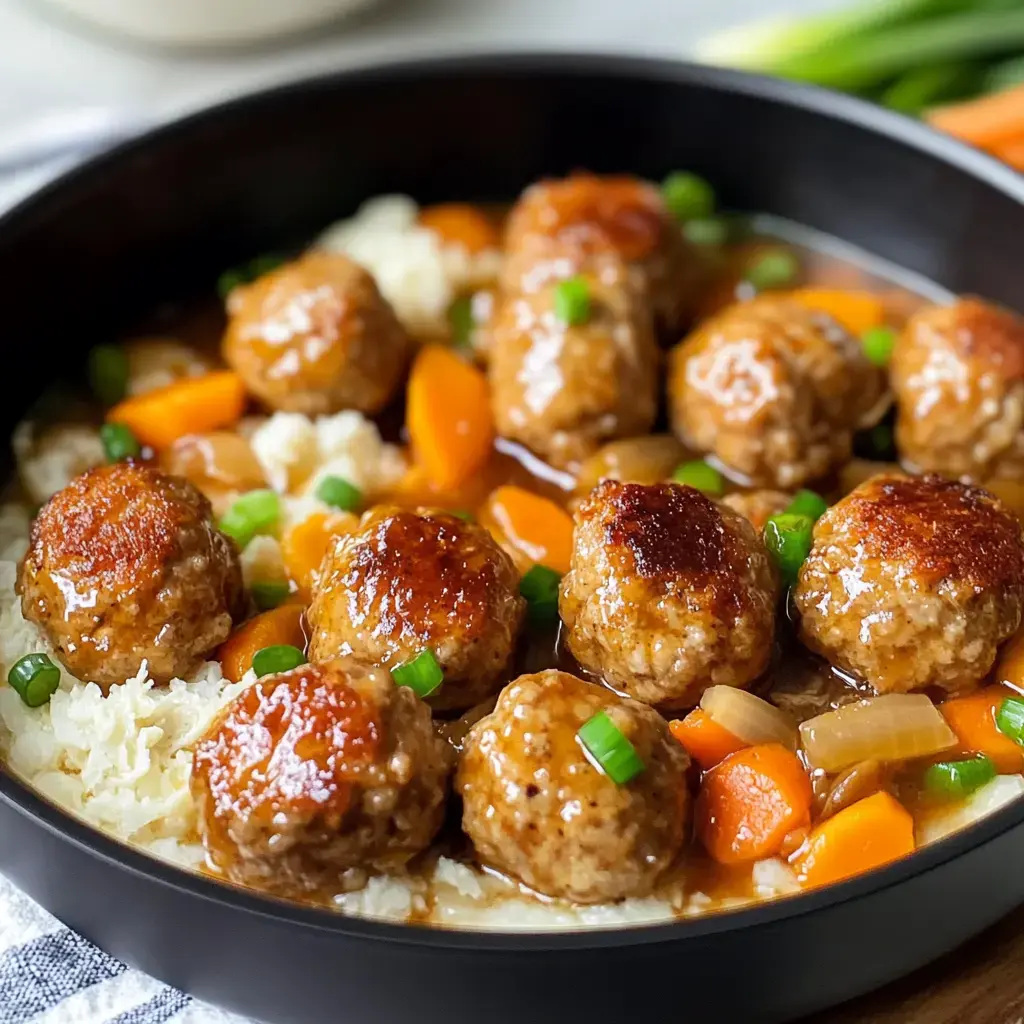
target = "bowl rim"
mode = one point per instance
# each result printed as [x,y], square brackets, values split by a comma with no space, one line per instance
[90,840]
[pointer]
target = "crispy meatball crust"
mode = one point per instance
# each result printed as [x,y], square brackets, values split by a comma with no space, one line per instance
[958,377]
[311,775]
[913,582]
[410,580]
[125,565]
[316,336]
[537,809]
[668,593]
[774,390]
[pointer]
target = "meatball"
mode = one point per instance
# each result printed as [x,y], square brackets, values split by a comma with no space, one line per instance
[559,227]
[310,778]
[774,390]
[408,581]
[913,582]
[958,377]
[668,593]
[315,336]
[125,566]
[758,506]
[537,808]
[563,390]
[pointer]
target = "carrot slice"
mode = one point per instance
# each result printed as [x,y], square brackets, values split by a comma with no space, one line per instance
[533,525]
[448,416]
[973,719]
[461,224]
[856,311]
[193,405]
[1011,152]
[705,740]
[865,835]
[304,545]
[750,801]
[282,625]
[985,122]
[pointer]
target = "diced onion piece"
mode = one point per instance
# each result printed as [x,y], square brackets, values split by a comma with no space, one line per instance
[748,717]
[893,727]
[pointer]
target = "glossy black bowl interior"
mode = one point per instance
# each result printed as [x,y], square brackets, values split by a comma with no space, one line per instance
[160,217]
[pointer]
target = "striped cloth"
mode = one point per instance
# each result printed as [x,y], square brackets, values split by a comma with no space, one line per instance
[50,975]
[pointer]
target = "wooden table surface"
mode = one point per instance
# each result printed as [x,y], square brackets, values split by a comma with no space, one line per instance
[981,983]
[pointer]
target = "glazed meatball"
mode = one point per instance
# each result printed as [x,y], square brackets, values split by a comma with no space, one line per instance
[538,809]
[559,227]
[958,378]
[408,581]
[774,390]
[913,582]
[316,336]
[563,390]
[758,506]
[125,566]
[310,778]
[668,593]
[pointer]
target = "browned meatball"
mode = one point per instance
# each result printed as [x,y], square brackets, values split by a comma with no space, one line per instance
[311,777]
[559,227]
[758,506]
[958,377]
[316,336]
[564,390]
[537,808]
[669,593]
[913,582]
[774,390]
[125,565]
[408,581]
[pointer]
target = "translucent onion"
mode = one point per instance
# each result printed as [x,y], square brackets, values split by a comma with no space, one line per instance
[640,460]
[893,727]
[749,718]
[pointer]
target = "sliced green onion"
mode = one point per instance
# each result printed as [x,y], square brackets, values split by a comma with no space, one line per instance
[776,268]
[572,301]
[108,373]
[1010,719]
[35,679]
[614,754]
[707,231]
[878,343]
[700,475]
[807,503]
[253,513]
[461,321]
[422,674]
[540,588]
[118,442]
[1005,75]
[688,196]
[337,492]
[269,595]
[280,658]
[920,88]
[788,537]
[954,780]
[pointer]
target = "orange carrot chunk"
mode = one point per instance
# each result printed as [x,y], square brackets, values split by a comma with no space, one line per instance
[705,740]
[282,625]
[856,311]
[304,545]
[448,416]
[193,405]
[461,224]
[984,122]
[533,525]
[973,719]
[1011,152]
[750,801]
[866,835]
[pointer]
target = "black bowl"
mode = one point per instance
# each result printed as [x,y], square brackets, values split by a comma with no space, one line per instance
[160,216]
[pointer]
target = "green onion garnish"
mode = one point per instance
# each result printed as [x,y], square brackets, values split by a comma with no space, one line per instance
[118,442]
[954,780]
[422,674]
[280,658]
[540,588]
[269,594]
[700,475]
[707,231]
[461,321]
[1010,719]
[878,343]
[614,754]
[108,373]
[777,268]
[688,196]
[35,679]
[254,512]
[807,503]
[572,301]
[788,538]
[337,492]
